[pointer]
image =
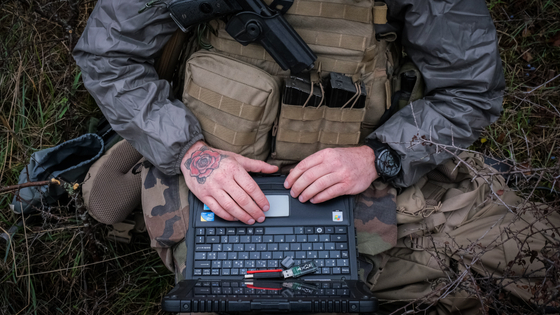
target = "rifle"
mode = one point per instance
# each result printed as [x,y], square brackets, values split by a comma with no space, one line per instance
[253,21]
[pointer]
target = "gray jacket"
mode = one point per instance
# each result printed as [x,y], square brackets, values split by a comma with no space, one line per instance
[453,43]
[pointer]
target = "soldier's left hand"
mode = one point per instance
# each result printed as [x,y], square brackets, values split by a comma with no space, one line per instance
[330,173]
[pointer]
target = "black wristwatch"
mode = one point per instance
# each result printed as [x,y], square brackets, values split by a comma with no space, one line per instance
[387,161]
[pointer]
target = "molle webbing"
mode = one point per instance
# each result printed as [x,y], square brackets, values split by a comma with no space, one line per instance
[224,103]
[330,10]
[232,137]
[230,46]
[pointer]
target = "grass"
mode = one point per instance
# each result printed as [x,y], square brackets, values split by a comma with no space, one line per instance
[62,262]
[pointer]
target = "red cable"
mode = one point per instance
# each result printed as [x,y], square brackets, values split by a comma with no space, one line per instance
[261,271]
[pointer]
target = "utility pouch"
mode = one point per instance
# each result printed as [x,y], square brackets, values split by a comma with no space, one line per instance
[302,130]
[236,103]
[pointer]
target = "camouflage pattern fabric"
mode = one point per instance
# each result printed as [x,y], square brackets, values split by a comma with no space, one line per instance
[166,211]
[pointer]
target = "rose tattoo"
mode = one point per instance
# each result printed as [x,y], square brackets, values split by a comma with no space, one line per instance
[202,162]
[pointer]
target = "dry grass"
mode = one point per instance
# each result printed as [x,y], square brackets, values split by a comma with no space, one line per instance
[61,261]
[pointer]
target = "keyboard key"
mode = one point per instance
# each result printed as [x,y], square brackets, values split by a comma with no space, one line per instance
[222,256]
[216,247]
[227,290]
[289,253]
[272,264]
[260,263]
[266,255]
[237,263]
[277,255]
[309,230]
[200,256]
[336,270]
[238,247]
[313,238]
[306,246]
[211,256]
[214,239]
[202,264]
[259,230]
[220,231]
[272,247]
[217,290]
[200,231]
[320,262]
[278,230]
[278,238]
[323,254]
[284,247]
[330,246]
[243,271]
[340,230]
[250,247]
[249,263]
[245,239]
[268,238]
[334,254]
[250,231]
[261,247]
[342,262]
[324,238]
[319,230]
[341,245]
[227,264]
[325,271]
[339,238]
[224,239]
[301,238]
[216,264]
[234,272]
[230,231]
[299,230]
[345,270]
[255,255]
[344,254]
[232,255]
[329,229]
[210,231]
[300,255]
[243,255]
[199,239]
[197,272]
[295,246]
[233,239]
[290,238]
[203,248]
[318,246]
[215,272]
[205,272]
[256,239]
[241,231]
[330,262]
[227,247]
[312,254]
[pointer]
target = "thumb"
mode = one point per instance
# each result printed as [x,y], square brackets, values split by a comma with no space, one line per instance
[257,166]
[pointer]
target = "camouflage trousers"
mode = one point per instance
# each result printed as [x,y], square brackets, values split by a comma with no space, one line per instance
[166,212]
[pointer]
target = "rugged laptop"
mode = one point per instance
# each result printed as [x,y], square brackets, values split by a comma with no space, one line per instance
[223,253]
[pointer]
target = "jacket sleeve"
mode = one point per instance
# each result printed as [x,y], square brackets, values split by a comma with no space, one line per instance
[116,55]
[454,45]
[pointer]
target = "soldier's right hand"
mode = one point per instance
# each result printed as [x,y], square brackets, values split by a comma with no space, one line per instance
[220,180]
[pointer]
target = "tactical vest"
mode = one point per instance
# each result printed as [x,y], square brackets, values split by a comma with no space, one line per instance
[235,91]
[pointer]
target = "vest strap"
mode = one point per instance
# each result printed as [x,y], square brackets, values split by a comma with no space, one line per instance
[228,135]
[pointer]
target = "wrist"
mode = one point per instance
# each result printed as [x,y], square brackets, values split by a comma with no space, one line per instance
[195,147]
[387,162]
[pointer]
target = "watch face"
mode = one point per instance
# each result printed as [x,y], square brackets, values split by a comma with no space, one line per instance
[387,164]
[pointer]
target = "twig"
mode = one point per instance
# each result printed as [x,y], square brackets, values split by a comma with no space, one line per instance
[24,185]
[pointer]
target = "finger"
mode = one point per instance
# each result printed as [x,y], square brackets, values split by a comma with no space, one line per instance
[230,206]
[307,178]
[320,184]
[257,166]
[329,193]
[252,189]
[301,167]
[217,209]
[245,203]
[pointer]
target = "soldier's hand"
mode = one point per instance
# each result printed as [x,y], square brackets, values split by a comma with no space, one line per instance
[330,173]
[220,180]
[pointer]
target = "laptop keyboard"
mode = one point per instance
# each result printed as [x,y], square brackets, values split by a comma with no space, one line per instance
[233,251]
[295,289]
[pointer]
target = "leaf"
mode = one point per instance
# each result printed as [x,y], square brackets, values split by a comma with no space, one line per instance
[483,140]
[527,56]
